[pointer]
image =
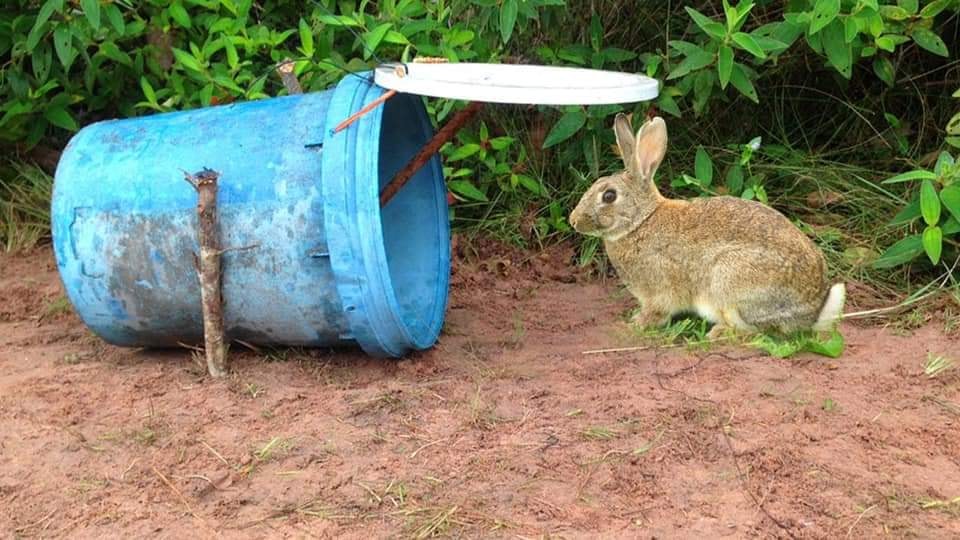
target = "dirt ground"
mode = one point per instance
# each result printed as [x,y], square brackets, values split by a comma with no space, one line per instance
[505,429]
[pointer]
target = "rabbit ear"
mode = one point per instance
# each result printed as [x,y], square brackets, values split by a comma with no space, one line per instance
[651,146]
[625,140]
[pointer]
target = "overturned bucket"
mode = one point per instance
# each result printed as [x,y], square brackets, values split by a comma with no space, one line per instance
[322,264]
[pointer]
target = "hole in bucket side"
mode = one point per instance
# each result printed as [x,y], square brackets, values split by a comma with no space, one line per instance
[415,235]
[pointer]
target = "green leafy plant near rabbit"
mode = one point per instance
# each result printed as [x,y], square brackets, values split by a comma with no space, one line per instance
[739,264]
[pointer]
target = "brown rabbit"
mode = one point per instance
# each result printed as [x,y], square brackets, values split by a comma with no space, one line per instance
[739,264]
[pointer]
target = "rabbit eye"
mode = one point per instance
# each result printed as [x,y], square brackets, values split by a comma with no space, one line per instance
[609,196]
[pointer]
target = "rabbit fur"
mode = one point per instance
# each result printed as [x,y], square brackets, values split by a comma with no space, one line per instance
[739,264]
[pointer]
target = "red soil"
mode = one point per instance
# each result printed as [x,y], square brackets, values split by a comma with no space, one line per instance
[505,429]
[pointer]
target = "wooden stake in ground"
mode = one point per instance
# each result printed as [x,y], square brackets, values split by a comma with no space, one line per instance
[289,78]
[208,269]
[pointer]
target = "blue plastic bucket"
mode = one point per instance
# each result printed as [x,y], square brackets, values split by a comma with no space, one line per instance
[322,264]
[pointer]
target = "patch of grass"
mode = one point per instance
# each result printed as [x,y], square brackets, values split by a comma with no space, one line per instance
[937,365]
[146,435]
[433,522]
[785,346]
[273,449]
[829,405]
[59,306]
[519,331]
[600,433]
[950,506]
[483,415]
[254,390]
[387,402]
[688,331]
[947,405]
[24,207]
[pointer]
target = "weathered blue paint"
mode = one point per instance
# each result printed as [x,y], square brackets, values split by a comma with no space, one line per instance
[323,266]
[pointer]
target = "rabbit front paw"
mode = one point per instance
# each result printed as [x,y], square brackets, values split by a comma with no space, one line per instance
[650,318]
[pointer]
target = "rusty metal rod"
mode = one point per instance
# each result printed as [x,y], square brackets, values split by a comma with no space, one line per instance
[443,136]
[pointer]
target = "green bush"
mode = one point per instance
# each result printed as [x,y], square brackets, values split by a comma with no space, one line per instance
[841,93]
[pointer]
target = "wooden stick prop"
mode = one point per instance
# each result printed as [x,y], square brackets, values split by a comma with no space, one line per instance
[208,270]
[288,77]
[442,137]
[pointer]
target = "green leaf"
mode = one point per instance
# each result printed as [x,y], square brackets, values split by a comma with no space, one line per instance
[739,80]
[933,243]
[466,189]
[568,125]
[933,9]
[950,226]
[910,6]
[886,43]
[775,347]
[824,12]
[458,39]
[693,62]
[950,197]
[508,18]
[306,37]
[596,32]
[953,125]
[883,68]
[944,162]
[703,166]
[187,60]
[730,13]
[724,65]
[62,39]
[615,55]
[46,11]
[372,39]
[850,29]
[894,13]
[179,14]
[929,41]
[838,50]
[770,45]
[463,152]
[530,184]
[747,43]
[911,175]
[111,51]
[499,143]
[832,347]
[929,203]
[230,5]
[742,12]
[60,117]
[734,179]
[148,90]
[907,214]
[233,59]
[115,18]
[91,9]
[708,25]
[902,252]
[668,104]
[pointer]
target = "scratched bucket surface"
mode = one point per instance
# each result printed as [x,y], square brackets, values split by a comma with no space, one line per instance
[322,265]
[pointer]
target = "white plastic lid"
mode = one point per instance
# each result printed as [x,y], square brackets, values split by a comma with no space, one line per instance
[517,83]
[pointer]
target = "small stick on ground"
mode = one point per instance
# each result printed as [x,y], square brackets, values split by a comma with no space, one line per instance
[289,78]
[208,269]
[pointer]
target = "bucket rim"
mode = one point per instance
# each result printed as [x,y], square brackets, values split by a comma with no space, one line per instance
[352,220]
